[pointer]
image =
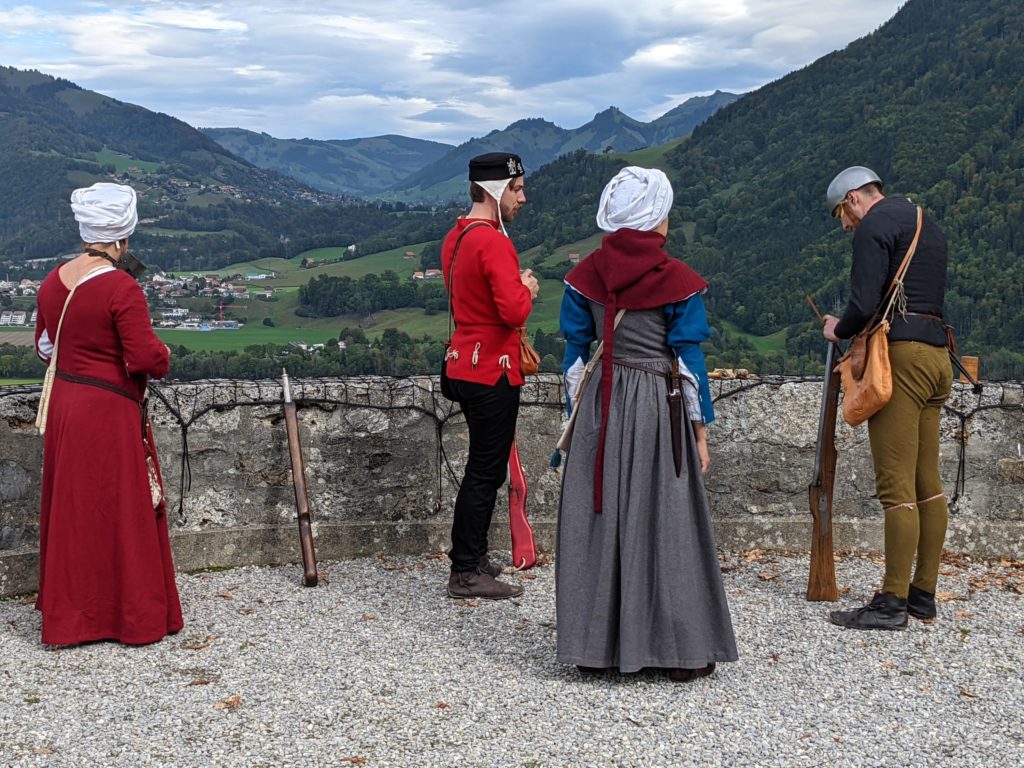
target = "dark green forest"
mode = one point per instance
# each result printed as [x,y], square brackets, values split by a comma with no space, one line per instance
[934,102]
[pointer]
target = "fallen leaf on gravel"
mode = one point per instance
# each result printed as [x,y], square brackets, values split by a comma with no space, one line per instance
[442,705]
[767,576]
[200,681]
[889,665]
[196,644]
[353,760]
[527,576]
[956,558]
[43,750]
[245,611]
[367,617]
[945,596]
[231,702]
[226,595]
[468,603]
[844,590]
[968,694]
[729,568]
[963,614]
[775,657]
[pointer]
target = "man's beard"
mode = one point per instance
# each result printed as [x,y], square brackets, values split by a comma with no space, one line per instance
[509,213]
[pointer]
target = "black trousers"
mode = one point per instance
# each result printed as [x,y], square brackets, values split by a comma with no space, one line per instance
[491,414]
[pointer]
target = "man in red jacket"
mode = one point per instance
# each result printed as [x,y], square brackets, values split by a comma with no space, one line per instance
[490,300]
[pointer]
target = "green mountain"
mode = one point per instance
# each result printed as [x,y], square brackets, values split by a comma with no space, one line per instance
[933,101]
[57,136]
[358,167]
[539,142]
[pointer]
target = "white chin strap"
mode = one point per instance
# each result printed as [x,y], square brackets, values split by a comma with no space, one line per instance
[495,188]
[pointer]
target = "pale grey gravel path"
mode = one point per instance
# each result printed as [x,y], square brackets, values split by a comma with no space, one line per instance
[376,667]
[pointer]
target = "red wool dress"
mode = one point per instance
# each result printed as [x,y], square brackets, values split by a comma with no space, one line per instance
[105,567]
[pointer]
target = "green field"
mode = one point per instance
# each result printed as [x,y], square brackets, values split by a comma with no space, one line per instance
[123,162]
[765,345]
[18,382]
[222,341]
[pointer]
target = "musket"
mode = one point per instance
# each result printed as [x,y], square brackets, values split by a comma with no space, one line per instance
[524,550]
[821,581]
[309,575]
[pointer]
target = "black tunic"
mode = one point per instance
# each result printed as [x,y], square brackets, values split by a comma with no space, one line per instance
[879,245]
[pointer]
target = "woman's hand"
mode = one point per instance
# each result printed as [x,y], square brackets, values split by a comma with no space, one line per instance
[530,282]
[701,433]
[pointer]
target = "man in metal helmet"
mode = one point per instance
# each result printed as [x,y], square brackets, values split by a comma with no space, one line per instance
[853,179]
[904,434]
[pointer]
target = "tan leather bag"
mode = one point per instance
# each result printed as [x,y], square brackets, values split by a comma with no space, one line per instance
[866,394]
[529,360]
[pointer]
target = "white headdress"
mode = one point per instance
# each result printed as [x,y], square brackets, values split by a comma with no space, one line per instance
[637,198]
[105,212]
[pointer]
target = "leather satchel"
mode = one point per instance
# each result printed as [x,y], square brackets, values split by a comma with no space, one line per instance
[529,360]
[865,369]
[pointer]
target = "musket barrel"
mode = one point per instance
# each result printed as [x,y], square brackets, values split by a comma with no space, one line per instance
[821,581]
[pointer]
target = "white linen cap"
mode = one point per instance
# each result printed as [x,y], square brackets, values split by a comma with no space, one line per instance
[105,212]
[637,198]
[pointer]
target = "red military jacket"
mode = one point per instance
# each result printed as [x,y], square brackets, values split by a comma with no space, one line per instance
[489,304]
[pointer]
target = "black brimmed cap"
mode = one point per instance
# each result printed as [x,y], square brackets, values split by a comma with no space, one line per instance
[495,166]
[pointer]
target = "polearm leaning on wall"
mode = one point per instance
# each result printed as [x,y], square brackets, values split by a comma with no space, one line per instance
[309,574]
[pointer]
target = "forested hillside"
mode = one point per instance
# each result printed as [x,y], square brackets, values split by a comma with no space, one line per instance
[359,167]
[57,136]
[934,102]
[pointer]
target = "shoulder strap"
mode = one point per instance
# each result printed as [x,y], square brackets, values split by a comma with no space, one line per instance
[451,272]
[51,369]
[600,347]
[60,323]
[897,281]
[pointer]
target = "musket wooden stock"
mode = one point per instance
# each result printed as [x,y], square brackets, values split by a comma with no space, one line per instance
[309,574]
[821,581]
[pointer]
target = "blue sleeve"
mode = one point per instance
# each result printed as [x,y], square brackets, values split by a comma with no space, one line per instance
[687,328]
[577,327]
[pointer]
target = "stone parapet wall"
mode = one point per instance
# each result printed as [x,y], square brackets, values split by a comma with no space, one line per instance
[383,456]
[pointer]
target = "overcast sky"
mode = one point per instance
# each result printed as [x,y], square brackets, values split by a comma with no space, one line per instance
[446,70]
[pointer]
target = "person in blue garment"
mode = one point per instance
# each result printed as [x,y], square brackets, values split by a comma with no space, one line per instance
[638,584]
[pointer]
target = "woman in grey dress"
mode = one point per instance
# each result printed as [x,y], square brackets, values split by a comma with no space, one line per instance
[637,573]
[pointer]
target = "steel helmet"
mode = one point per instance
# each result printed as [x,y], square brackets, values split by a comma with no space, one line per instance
[853,177]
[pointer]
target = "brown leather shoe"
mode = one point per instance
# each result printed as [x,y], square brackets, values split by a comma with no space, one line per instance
[688,675]
[469,584]
[488,566]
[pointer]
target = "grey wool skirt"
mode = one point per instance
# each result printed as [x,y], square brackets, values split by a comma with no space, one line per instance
[639,584]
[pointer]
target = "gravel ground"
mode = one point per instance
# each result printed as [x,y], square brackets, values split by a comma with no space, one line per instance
[377,667]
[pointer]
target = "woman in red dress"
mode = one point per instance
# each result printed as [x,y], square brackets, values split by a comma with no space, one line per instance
[105,567]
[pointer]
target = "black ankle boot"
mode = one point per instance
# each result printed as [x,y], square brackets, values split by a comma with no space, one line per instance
[885,611]
[921,604]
